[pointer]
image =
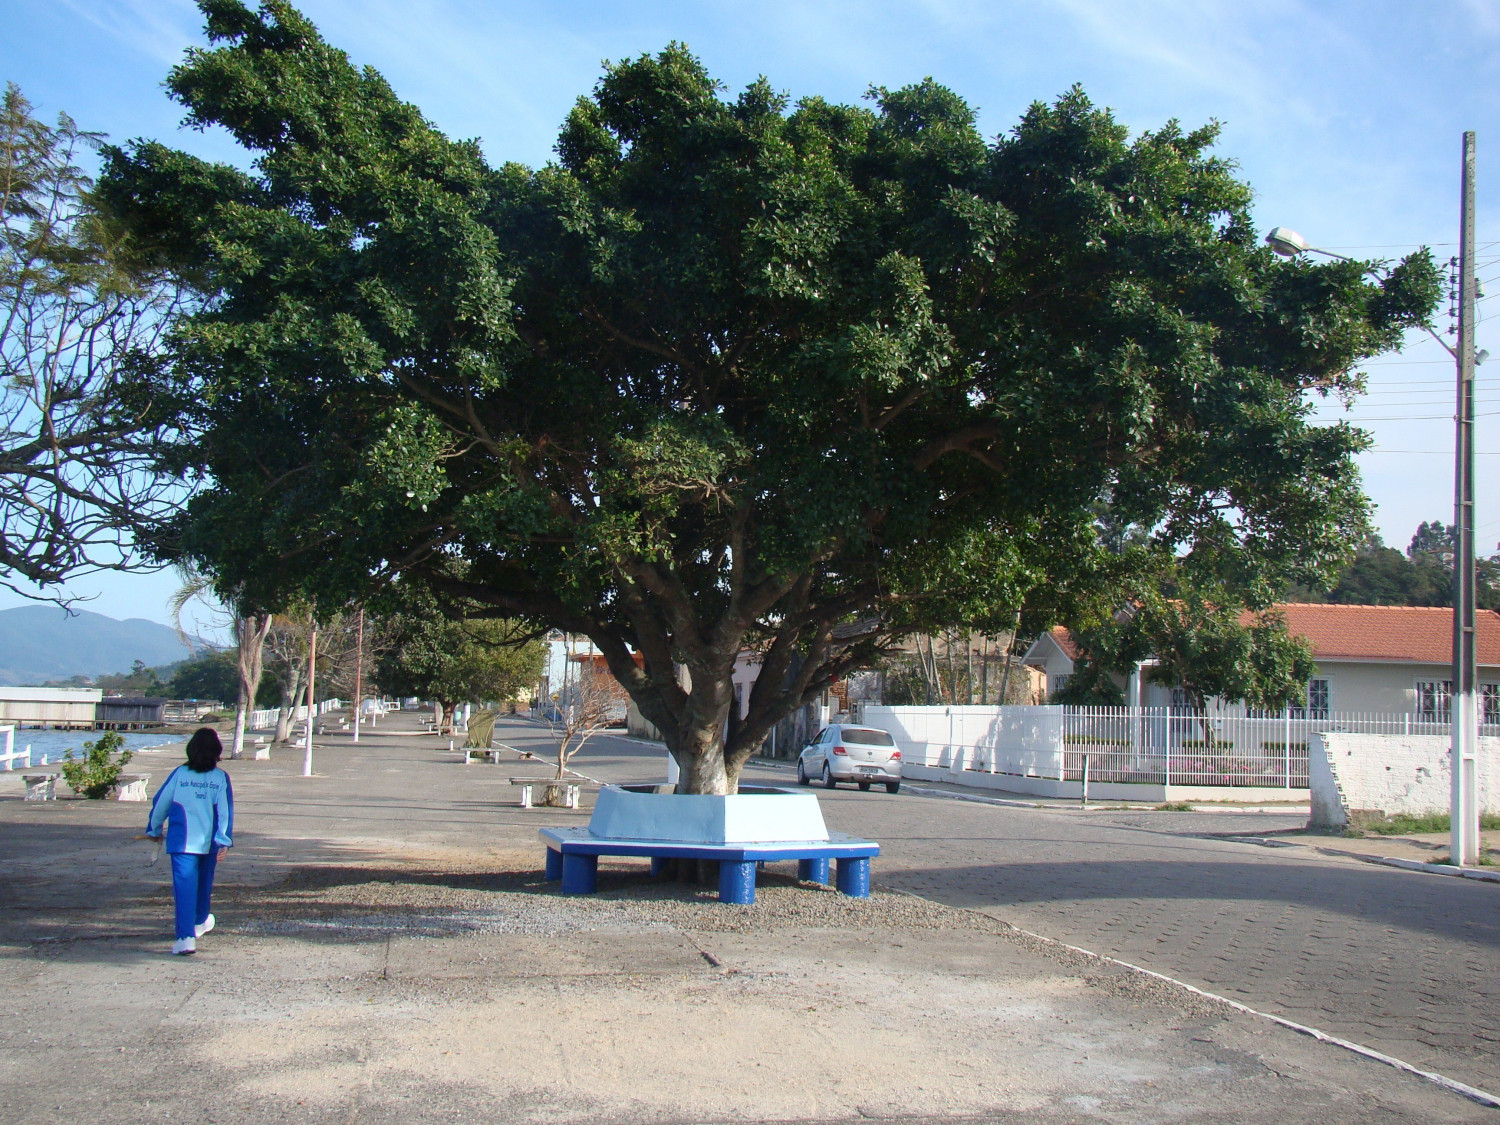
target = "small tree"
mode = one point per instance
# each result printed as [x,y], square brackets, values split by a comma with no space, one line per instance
[590,700]
[98,771]
[1204,648]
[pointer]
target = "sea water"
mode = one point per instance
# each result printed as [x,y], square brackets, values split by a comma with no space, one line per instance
[56,743]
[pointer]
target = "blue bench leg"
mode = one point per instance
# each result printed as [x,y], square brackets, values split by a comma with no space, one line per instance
[813,870]
[554,865]
[854,877]
[658,865]
[580,874]
[736,881]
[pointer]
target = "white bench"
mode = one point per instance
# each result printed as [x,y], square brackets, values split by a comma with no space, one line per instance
[571,790]
[481,754]
[40,786]
[132,787]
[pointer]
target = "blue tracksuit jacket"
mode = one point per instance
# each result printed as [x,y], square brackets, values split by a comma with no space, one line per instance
[197,809]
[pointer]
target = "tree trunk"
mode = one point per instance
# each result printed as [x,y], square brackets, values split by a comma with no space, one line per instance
[251,635]
[290,691]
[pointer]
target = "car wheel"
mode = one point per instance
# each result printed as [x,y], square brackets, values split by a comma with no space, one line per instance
[864,786]
[893,787]
[802,778]
[828,782]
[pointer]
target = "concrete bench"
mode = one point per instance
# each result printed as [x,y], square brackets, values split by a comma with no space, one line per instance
[570,796]
[40,786]
[132,787]
[573,856]
[481,754]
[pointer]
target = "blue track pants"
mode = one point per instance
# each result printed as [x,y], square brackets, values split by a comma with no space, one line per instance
[192,886]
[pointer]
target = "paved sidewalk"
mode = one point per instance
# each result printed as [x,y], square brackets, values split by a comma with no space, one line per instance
[386,953]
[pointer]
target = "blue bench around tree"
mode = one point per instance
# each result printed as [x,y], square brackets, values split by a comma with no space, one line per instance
[573,856]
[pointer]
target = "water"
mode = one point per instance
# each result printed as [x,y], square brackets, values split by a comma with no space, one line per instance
[55,743]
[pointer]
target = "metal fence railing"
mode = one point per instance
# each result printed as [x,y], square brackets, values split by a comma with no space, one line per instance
[1152,745]
[268,717]
[1171,746]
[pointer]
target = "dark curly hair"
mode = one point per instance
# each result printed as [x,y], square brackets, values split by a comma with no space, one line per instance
[204,750]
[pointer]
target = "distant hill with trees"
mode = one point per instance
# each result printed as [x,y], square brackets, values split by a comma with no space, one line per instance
[41,643]
[1381,575]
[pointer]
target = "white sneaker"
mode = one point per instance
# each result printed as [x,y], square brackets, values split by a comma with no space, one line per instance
[184,946]
[208,924]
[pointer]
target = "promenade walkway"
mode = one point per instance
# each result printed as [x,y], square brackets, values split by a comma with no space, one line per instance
[386,952]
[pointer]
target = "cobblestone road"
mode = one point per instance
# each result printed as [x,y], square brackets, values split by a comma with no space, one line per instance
[1406,963]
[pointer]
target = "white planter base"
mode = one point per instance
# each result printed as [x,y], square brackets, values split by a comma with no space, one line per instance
[754,815]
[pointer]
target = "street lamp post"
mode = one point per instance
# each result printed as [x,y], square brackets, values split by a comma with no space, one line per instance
[1464,690]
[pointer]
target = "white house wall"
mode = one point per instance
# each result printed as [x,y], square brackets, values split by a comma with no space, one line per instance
[1383,686]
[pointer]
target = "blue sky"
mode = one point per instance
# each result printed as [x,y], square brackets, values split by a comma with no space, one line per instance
[1345,117]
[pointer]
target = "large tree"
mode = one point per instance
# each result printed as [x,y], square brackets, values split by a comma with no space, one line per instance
[737,373]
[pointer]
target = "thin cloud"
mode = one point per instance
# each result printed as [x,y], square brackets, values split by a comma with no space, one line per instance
[158,29]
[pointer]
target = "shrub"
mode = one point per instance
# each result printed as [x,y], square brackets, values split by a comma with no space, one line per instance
[98,771]
[1405,824]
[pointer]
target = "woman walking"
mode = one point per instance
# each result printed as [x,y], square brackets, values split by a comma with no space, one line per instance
[195,806]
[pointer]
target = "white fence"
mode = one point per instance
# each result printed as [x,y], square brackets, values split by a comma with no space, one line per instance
[1150,745]
[268,718]
[11,755]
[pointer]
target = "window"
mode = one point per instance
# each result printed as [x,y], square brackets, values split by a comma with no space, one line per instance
[1432,699]
[859,737]
[1317,699]
[1059,681]
[1489,703]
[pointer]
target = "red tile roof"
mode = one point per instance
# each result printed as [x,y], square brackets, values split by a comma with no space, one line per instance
[1414,634]
[1066,642]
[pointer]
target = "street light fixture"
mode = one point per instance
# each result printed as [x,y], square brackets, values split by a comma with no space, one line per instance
[1288,243]
[1464,693]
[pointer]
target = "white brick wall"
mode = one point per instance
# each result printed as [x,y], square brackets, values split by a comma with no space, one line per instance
[1392,774]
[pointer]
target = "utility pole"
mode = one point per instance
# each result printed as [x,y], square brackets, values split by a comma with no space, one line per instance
[312,664]
[359,659]
[1463,695]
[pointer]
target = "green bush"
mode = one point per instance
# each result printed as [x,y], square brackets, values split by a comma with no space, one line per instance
[95,775]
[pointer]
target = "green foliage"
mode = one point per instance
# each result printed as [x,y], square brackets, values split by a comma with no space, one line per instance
[1405,824]
[1381,575]
[1210,650]
[140,680]
[455,660]
[1206,648]
[212,676]
[96,773]
[734,373]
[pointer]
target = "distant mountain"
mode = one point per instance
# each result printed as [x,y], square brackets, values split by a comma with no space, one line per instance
[45,642]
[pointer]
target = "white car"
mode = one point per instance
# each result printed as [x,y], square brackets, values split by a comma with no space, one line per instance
[863,755]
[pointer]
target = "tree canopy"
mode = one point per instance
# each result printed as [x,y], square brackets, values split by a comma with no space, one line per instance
[456,661]
[739,373]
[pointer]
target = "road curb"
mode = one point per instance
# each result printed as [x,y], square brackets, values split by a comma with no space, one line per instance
[1433,868]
